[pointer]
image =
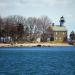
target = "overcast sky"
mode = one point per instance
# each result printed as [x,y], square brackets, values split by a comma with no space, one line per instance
[54,9]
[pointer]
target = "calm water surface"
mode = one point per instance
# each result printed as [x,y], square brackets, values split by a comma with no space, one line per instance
[37,61]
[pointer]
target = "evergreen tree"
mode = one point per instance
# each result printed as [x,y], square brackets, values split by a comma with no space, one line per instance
[20,30]
[72,35]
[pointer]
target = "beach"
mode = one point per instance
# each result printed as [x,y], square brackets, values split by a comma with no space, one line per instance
[32,44]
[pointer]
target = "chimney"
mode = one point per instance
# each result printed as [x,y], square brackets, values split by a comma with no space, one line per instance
[52,24]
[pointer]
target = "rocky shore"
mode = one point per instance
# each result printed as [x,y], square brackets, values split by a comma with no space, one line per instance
[32,44]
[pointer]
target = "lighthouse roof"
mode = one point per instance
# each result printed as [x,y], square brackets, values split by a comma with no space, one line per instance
[58,28]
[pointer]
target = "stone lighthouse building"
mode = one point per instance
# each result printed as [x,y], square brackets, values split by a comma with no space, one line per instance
[59,32]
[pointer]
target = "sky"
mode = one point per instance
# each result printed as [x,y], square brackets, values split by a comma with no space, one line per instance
[54,9]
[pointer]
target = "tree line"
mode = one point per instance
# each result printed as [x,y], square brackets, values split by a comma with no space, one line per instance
[22,28]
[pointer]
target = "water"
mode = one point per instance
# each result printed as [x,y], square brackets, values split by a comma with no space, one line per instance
[37,61]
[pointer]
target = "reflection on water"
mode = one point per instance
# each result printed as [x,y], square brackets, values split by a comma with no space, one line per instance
[37,61]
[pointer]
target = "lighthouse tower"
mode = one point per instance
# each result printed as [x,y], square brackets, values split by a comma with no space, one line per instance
[62,21]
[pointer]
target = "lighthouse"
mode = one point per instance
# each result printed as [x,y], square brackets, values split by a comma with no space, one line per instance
[62,21]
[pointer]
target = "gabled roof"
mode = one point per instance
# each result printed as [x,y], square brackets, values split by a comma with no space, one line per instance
[58,28]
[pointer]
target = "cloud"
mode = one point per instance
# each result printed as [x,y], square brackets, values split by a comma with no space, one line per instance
[43,2]
[33,3]
[43,5]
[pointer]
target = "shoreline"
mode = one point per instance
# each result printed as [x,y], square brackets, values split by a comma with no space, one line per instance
[33,44]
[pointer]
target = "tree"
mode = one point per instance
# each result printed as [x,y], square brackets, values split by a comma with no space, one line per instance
[72,35]
[1,21]
[20,31]
[18,26]
[31,26]
[15,26]
[45,23]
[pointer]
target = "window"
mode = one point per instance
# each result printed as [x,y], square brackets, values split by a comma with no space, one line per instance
[56,33]
[56,38]
[63,33]
[60,38]
[48,39]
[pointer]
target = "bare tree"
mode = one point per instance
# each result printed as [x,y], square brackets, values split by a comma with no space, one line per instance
[19,27]
[0,28]
[45,22]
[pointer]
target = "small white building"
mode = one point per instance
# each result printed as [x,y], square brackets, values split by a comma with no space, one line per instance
[38,39]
